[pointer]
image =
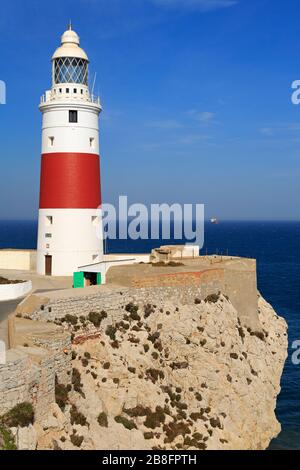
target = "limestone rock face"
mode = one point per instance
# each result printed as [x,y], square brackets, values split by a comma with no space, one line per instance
[178,377]
[25,438]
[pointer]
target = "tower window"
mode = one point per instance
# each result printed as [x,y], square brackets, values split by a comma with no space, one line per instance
[51,141]
[67,90]
[75,90]
[48,235]
[49,220]
[81,91]
[95,220]
[73,116]
[92,142]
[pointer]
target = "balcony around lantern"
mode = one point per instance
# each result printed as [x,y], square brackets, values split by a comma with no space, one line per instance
[63,92]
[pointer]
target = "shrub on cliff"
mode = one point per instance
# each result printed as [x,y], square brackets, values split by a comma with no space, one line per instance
[148,309]
[212,298]
[137,411]
[76,440]
[174,429]
[132,310]
[155,374]
[71,319]
[111,332]
[7,441]
[102,420]
[21,415]
[259,334]
[127,423]
[155,419]
[77,417]
[96,318]
[61,394]
[76,381]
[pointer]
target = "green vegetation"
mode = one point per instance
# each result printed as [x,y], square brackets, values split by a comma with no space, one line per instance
[76,440]
[96,318]
[77,417]
[61,394]
[76,381]
[212,298]
[7,441]
[111,332]
[148,309]
[102,420]
[70,319]
[155,374]
[175,429]
[132,309]
[21,415]
[127,423]
[155,419]
[74,355]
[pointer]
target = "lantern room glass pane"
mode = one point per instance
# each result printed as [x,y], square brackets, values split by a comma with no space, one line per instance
[71,70]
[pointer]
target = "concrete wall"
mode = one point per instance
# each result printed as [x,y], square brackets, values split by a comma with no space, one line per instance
[24,260]
[29,374]
[194,278]
[241,287]
[138,258]
[184,287]
[174,252]
[14,291]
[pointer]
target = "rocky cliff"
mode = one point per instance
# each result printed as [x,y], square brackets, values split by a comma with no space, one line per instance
[181,376]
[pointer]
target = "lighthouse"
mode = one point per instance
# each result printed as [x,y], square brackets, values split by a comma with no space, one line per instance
[70,219]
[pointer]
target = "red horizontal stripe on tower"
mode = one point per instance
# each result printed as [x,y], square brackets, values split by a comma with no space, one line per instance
[70,181]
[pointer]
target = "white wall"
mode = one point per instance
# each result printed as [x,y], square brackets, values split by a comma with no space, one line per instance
[74,242]
[14,291]
[70,137]
[24,260]
[114,260]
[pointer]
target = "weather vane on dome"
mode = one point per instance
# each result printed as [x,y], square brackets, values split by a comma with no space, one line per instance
[70,25]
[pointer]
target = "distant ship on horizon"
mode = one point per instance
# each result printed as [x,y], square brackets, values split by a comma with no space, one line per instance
[214,220]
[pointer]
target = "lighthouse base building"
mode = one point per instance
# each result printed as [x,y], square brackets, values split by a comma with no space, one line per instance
[70,219]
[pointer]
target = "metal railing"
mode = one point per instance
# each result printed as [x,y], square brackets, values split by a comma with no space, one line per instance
[50,96]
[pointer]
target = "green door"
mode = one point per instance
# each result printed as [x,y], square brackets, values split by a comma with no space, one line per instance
[99,279]
[78,280]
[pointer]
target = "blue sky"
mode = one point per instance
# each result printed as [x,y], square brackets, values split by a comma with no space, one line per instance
[196,101]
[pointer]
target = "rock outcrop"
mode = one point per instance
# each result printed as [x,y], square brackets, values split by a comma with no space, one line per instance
[177,377]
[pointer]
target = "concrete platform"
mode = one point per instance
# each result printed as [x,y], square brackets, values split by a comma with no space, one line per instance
[42,283]
[126,275]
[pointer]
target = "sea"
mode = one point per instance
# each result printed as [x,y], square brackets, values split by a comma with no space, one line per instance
[275,246]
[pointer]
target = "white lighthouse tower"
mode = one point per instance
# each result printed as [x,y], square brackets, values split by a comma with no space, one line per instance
[70,218]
